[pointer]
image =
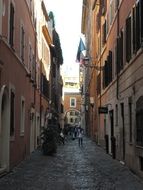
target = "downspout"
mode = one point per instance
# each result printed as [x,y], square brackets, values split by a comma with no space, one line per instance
[35,66]
[40,108]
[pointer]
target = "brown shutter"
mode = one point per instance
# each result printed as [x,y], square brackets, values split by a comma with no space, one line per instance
[128,39]
[137,27]
[121,50]
[134,30]
[11,25]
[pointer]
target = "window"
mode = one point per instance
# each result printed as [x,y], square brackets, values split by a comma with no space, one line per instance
[22,43]
[45,86]
[128,39]
[112,11]
[12,111]
[71,120]
[104,33]
[72,113]
[22,119]
[72,102]
[33,67]
[77,113]
[120,47]
[11,26]
[116,4]
[134,28]
[38,75]
[137,23]
[107,71]
[30,58]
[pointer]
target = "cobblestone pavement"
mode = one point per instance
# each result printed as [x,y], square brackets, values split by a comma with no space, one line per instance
[72,168]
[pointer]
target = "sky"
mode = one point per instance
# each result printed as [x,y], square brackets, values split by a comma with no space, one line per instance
[67,15]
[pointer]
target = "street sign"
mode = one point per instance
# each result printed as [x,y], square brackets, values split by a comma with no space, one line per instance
[103,110]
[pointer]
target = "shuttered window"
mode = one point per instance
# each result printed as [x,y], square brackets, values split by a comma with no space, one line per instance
[137,27]
[110,66]
[121,50]
[11,26]
[107,71]
[120,47]
[104,33]
[137,23]
[44,86]
[134,29]
[22,43]
[128,39]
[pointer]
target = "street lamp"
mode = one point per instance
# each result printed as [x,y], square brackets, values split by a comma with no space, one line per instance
[86,64]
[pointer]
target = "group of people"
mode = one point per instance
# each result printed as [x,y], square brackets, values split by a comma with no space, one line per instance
[75,132]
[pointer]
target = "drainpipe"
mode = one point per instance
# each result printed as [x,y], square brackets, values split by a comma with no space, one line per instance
[35,65]
[40,107]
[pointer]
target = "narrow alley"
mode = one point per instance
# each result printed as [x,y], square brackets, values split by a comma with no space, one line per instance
[71,168]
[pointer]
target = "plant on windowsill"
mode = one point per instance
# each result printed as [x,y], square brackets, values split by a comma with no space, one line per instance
[48,138]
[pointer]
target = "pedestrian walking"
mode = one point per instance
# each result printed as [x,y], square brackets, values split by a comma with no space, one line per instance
[62,137]
[80,136]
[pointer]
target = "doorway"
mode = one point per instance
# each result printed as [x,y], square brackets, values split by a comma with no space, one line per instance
[123,132]
[4,129]
[113,140]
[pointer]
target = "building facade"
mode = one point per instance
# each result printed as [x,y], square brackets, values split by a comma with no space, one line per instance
[72,108]
[116,48]
[26,56]
[72,100]
[17,89]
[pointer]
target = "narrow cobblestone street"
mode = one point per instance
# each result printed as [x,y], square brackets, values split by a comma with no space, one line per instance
[72,168]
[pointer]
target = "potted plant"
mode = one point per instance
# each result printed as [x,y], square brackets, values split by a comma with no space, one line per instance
[49,146]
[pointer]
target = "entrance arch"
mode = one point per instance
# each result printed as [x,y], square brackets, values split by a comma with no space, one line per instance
[72,116]
[4,129]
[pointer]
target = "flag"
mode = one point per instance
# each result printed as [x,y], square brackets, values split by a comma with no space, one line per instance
[81,48]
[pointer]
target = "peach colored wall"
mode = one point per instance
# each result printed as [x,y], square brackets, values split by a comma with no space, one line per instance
[13,73]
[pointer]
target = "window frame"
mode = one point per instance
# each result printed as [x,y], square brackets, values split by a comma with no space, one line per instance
[11,34]
[22,42]
[72,98]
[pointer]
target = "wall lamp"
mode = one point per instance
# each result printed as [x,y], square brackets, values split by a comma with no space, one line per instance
[87,59]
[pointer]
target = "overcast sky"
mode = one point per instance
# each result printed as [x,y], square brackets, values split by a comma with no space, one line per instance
[68,25]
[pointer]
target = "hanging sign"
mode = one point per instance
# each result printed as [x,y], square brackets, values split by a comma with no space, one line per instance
[103,110]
